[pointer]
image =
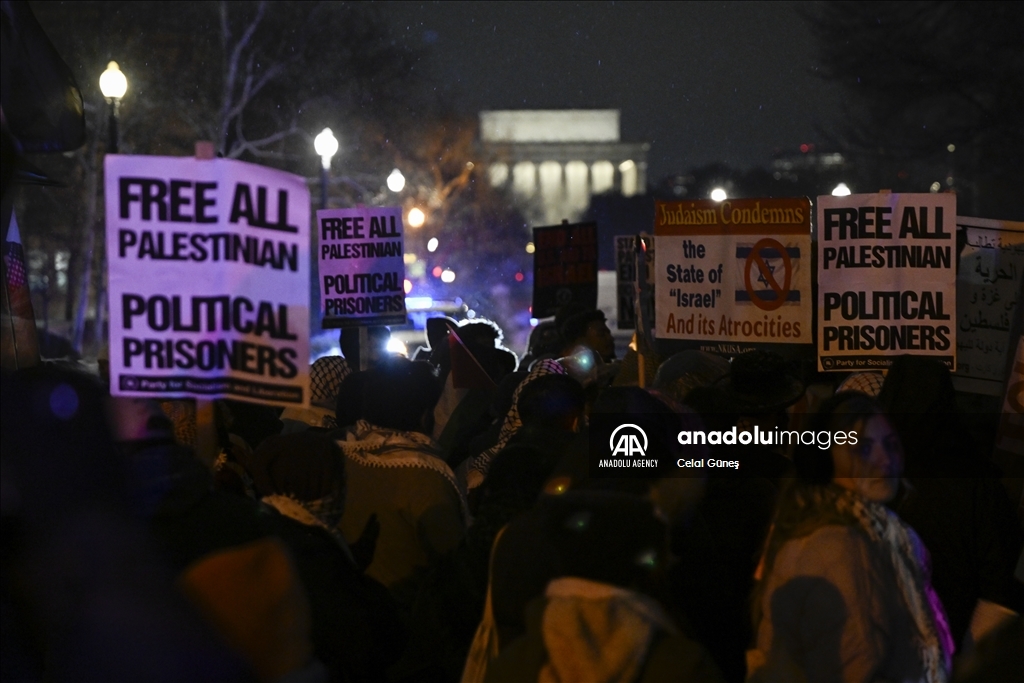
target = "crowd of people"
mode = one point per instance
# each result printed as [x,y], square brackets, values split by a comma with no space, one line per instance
[438,519]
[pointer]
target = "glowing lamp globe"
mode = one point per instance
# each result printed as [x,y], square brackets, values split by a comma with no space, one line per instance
[113,83]
[326,145]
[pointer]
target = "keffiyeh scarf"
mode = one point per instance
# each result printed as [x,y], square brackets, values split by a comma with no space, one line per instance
[911,563]
[323,512]
[374,446]
[513,423]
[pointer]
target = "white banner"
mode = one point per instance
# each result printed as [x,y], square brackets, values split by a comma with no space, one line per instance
[735,274]
[886,279]
[208,266]
[362,268]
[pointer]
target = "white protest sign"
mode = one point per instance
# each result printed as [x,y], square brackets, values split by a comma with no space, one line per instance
[987,286]
[362,270]
[886,279]
[208,280]
[733,274]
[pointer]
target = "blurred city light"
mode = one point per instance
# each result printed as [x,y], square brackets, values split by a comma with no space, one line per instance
[951,147]
[408,286]
[113,83]
[326,145]
[432,244]
[447,275]
[436,271]
[841,190]
[718,194]
[396,346]
[520,277]
[418,303]
[409,258]
[416,217]
[936,186]
[530,248]
[396,181]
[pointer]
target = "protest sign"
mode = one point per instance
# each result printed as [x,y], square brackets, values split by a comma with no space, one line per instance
[733,275]
[564,267]
[362,271]
[987,288]
[886,279]
[625,281]
[208,280]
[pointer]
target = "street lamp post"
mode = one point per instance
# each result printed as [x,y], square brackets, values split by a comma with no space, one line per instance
[326,145]
[113,85]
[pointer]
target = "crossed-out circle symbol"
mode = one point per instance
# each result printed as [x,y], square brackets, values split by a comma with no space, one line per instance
[781,292]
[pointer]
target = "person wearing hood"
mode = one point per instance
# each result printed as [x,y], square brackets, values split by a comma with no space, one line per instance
[597,618]
[574,584]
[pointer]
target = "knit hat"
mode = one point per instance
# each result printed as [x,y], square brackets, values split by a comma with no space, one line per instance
[325,376]
[869,383]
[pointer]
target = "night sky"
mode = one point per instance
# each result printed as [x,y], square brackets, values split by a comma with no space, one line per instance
[702,82]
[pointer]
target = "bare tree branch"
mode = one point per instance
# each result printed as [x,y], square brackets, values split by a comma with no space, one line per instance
[232,67]
[253,146]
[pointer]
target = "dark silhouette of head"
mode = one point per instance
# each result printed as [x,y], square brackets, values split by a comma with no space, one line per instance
[582,326]
[401,395]
[552,402]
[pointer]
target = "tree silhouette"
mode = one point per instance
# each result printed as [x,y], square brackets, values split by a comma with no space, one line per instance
[480,236]
[934,93]
[257,78]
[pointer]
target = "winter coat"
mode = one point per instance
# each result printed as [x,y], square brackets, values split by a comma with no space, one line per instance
[833,611]
[398,477]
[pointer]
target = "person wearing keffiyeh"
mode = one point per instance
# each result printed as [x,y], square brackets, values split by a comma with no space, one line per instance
[325,377]
[476,469]
[844,588]
[356,631]
[394,473]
